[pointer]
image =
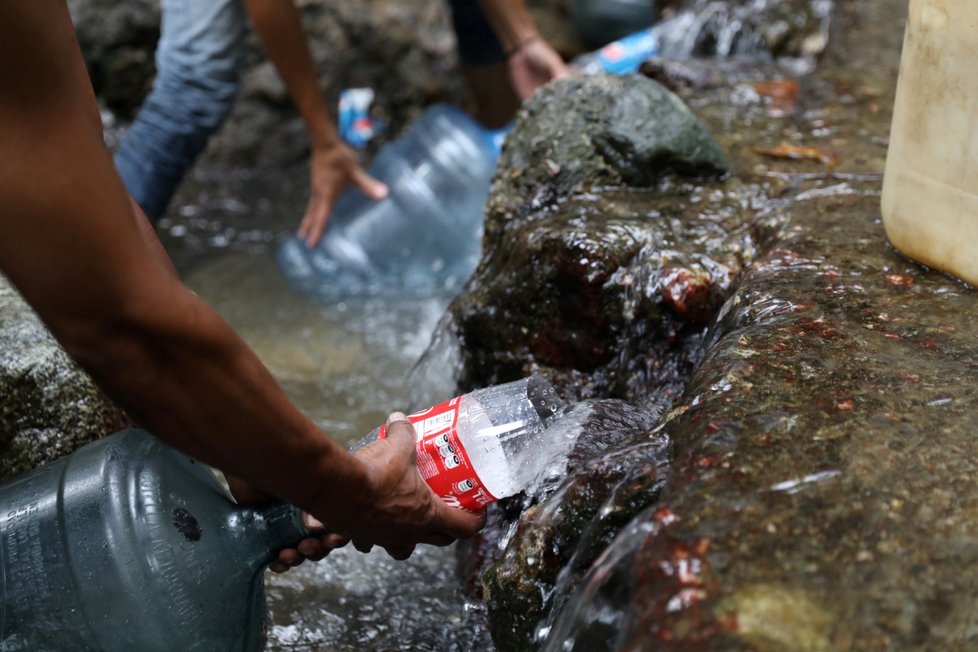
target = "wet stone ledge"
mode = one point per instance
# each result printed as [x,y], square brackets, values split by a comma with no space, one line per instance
[818,492]
[49,406]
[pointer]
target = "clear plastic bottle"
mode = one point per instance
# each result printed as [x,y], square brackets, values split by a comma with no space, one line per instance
[620,57]
[487,444]
[127,544]
[426,234]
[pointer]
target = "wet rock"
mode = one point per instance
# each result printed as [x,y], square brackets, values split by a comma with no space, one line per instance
[623,285]
[618,460]
[623,281]
[50,407]
[820,494]
[117,40]
[782,28]
[586,132]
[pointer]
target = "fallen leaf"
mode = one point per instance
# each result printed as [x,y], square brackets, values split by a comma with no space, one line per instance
[781,96]
[823,155]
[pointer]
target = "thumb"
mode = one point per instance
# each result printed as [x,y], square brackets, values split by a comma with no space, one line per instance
[459,523]
[401,433]
[371,187]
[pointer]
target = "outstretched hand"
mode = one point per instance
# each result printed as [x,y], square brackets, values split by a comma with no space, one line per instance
[533,64]
[332,170]
[401,511]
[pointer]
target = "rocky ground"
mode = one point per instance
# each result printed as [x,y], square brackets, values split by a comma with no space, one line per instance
[779,406]
[819,491]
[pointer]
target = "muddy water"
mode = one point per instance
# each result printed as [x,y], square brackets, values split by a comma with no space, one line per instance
[345,365]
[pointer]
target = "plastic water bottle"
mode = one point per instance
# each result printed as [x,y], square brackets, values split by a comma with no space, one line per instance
[601,21]
[127,544]
[426,234]
[620,57]
[353,120]
[487,444]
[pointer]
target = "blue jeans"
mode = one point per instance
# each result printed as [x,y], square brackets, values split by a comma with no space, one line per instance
[198,64]
[198,74]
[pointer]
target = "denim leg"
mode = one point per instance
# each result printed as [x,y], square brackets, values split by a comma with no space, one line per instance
[198,62]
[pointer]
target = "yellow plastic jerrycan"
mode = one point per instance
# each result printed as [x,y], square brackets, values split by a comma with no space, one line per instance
[930,187]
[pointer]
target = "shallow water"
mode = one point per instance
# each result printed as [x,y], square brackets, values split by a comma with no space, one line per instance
[346,366]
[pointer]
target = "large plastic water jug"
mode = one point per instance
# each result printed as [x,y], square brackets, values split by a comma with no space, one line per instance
[426,235]
[127,544]
[930,188]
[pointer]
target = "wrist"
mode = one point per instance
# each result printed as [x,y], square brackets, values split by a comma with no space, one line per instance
[518,47]
[344,500]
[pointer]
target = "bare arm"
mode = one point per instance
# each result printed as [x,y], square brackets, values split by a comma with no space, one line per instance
[531,60]
[70,242]
[333,166]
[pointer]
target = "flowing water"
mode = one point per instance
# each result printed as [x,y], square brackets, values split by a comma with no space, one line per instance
[346,366]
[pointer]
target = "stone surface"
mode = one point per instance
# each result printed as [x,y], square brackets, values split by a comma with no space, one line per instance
[50,407]
[820,491]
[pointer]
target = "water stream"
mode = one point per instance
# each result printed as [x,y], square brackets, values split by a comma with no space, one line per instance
[345,365]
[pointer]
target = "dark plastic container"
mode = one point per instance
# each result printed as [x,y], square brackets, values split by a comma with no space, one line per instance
[127,545]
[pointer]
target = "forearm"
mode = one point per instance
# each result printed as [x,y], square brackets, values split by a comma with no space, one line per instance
[280,30]
[73,246]
[183,374]
[511,21]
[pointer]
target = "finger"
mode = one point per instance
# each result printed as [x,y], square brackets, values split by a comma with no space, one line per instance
[334,541]
[459,523]
[400,553]
[290,557]
[371,187]
[319,216]
[440,540]
[312,523]
[362,546]
[279,567]
[401,433]
[304,225]
[312,549]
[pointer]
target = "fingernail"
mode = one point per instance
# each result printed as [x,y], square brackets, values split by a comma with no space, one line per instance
[396,416]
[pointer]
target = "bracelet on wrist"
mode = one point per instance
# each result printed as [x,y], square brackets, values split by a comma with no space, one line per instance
[519,46]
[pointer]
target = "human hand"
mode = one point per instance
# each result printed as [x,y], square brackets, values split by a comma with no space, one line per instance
[332,169]
[532,64]
[312,548]
[399,510]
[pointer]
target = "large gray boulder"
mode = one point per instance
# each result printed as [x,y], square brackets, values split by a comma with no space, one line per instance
[608,293]
[48,406]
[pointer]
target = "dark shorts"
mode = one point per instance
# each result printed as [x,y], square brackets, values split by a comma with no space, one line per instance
[477,43]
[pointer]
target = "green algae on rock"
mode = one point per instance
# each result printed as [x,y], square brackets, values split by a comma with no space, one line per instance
[584,132]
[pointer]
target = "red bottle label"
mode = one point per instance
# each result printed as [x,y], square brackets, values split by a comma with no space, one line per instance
[442,459]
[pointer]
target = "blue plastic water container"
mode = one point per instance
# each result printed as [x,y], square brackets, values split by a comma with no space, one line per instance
[425,236]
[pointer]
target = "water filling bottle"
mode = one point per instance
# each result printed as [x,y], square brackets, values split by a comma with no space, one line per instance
[426,234]
[930,187]
[604,21]
[487,444]
[127,544]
